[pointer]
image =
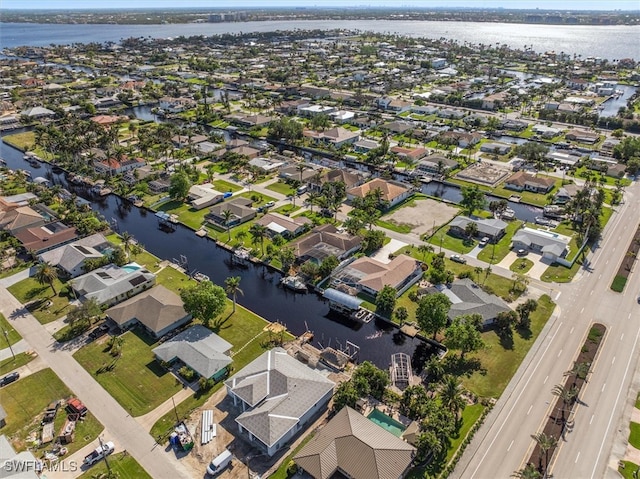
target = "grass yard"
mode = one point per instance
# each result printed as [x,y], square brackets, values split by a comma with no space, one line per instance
[634,434]
[186,214]
[144,258]
[243,329]
[25,401]
[137,382]
[496,253]
[282,188]
[23,141]
[10,335]
[122,464]
[15,269]
[9,364]
[561,274]
[224,186]
[253,195]
[442,239]
[521,265]
[36,297]
[530,197]
[173,279]
[626,469]
[500,361]
[286,209]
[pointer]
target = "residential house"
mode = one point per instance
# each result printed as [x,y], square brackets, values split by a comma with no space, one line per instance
[468,298]
[392,192]
[393,104]
[494,101]
[438,63]
[608,145]
[351,445]
[284,225]
[17,465]
[247,151]
[523,181]
[398,127]
[160,185]
[370,275]
[513,125]
[206,147]
[291,172]
[39,239]
[201,196]
[71,258]
[176,105]
[409,154]
[553,246]
[108,120]
[350,178]
[181,141]
[315,110]
[158,310]
[112,284]
[38,113]
[324,241]
[113,166]
[198,348]
[582,136]
[435,165]
[365,146]
[495,148]
[15,218]
[279,396]
[492,228]
[462,138]
[266,164]
[565,193]
[337,136]
[546,131]
[240,208]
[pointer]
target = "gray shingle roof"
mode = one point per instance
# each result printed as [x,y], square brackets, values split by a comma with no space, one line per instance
[280,389]
[110,281]
[358,447]
[489,226]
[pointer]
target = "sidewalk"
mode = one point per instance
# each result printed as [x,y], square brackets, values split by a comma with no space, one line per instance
[148,420]
[19,347]
[16,278]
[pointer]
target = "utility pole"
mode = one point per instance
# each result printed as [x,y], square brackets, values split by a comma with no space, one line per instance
[6,336]
[104,456]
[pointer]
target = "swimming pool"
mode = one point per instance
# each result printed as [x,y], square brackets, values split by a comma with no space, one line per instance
[131,267]
[386,422]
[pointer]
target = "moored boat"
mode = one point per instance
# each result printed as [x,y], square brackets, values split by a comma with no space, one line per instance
[294,283]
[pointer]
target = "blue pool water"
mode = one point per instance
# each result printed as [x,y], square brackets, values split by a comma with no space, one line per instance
[386,422]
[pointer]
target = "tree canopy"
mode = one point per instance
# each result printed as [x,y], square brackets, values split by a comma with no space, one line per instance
[432,313]
[472,199]
[204,301]
[179,186]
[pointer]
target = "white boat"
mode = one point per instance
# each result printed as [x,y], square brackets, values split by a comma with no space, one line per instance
[241,257]
[508,214]
[199,277]
[294,283]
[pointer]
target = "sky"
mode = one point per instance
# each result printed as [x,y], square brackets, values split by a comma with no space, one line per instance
[235,4]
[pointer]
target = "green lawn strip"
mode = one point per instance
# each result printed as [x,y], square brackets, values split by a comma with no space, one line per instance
[253,195]
[282,188]
[23,141]
[9,364]
[561,274]
[137,382]
[521,265]
[398,228]
[634,434]
[25,401]
[15,269]
[243,329]
[224,186]
[441,238]
[529,196]
[173,279]
[502,247]
[281,472]
[583,172]
[287,209]
[36,297]
[638,401]
[9,334]
[628,469]
[146,259]
[122,464]
[186,214]
[69,332]
[500,364]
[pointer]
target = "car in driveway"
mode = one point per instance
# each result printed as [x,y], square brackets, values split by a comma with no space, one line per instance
[522,252]
[484,241]
[9,378]
[99,453]
[99,331]
[269,204]
[458,259]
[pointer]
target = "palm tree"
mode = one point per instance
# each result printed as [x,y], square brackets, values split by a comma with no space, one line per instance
[546,443]
[300,169]
[424,249]
[478,271]
[227,215]
[126,242]
[451,395]
[579,371]
[232,287]
[46,273]
[527,472]
[258,232]
[567,395]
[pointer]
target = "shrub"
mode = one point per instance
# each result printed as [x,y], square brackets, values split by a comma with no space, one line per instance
[187,373]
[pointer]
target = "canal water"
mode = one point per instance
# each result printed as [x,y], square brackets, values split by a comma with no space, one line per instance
[262,293]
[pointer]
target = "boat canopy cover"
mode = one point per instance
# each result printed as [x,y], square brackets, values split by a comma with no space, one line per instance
[342,298]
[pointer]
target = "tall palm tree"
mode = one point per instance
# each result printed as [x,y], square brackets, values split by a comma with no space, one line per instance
[126,242]
[451,394]
[46,273]
[258,233]
[568,395]
[424,249]
[580,370]
[546,443]
[232,287]
[527,472]
[227,215]
[301,169]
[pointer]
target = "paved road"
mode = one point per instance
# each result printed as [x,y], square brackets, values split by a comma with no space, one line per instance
[130,435]
[503,444]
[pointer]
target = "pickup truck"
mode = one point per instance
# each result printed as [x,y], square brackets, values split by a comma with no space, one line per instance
[99,453]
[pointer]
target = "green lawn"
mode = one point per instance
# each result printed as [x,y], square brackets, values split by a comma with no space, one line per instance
[243,329]
[282,188]
[37,296]
[252,195]
[16,269]
[441,238]
[173,279]
[122,464]
[25,402]
[144,258]
[9,334]
[23,141]
[9,364]
[561,274]
[224,186]
[287,209]
[521,265]
[628,469]
[495,253]
[137,382]
[529,196]
[186,214]
[634,434]
[500,362]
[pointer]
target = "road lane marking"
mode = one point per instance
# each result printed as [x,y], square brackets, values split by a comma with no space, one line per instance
[509,448]
[529,409]
[603,386]
[600,277]
[559,355]
[545,380]
[582,311]
[621,336]
[577,457]
[571,332]
[613,360]
[591,420]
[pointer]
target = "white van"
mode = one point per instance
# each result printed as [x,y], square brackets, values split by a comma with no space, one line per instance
[219,463]
[301,190]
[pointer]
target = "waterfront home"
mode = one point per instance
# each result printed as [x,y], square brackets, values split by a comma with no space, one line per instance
[435,165]
[291,172]
[552,246]
[198,348]
[410,155]
[324,241]
[266,164]
[160,185]
[582,136]
[398,127]
[370,275]
[240,208]
[350,178]
[113,166]
[279,397]
[356,447]
[461,138]
[112,284]
[546,131]
[71,258]
[38,239]
[468,298]
[37,113]
[201,196]
[14,218]
[494,101]
[108,120]
[176,105]
[365,146]
[158,310]
[523,181]
[314,110]
[337,136]
[392,192]
[181,141]
[247,151]
[495,148]
[565,194]
[284,225]
[492,228]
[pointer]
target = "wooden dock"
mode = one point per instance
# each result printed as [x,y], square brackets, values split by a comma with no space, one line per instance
[410,330]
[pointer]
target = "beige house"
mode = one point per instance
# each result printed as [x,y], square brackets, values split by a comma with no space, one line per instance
[392,191]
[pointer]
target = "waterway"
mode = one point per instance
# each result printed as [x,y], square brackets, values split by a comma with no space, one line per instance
[262,294]
[610,42]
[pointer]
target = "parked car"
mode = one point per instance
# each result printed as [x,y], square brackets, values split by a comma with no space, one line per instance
[522,252]
[9,378]
[270,204]
[99,453]
[484,241]
[99,331]
[458,259]
[219,462]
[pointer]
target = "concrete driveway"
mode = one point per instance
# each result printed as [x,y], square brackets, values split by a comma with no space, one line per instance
[540,264]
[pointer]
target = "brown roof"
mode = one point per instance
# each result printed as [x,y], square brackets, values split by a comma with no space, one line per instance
[17,218]
[520,178]
[325,234]
[47,236]
[389,190]
[379,275]
[357,446]
[290,224]
[349,179]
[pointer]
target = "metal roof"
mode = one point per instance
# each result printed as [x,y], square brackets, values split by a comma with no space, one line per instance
[342,298]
